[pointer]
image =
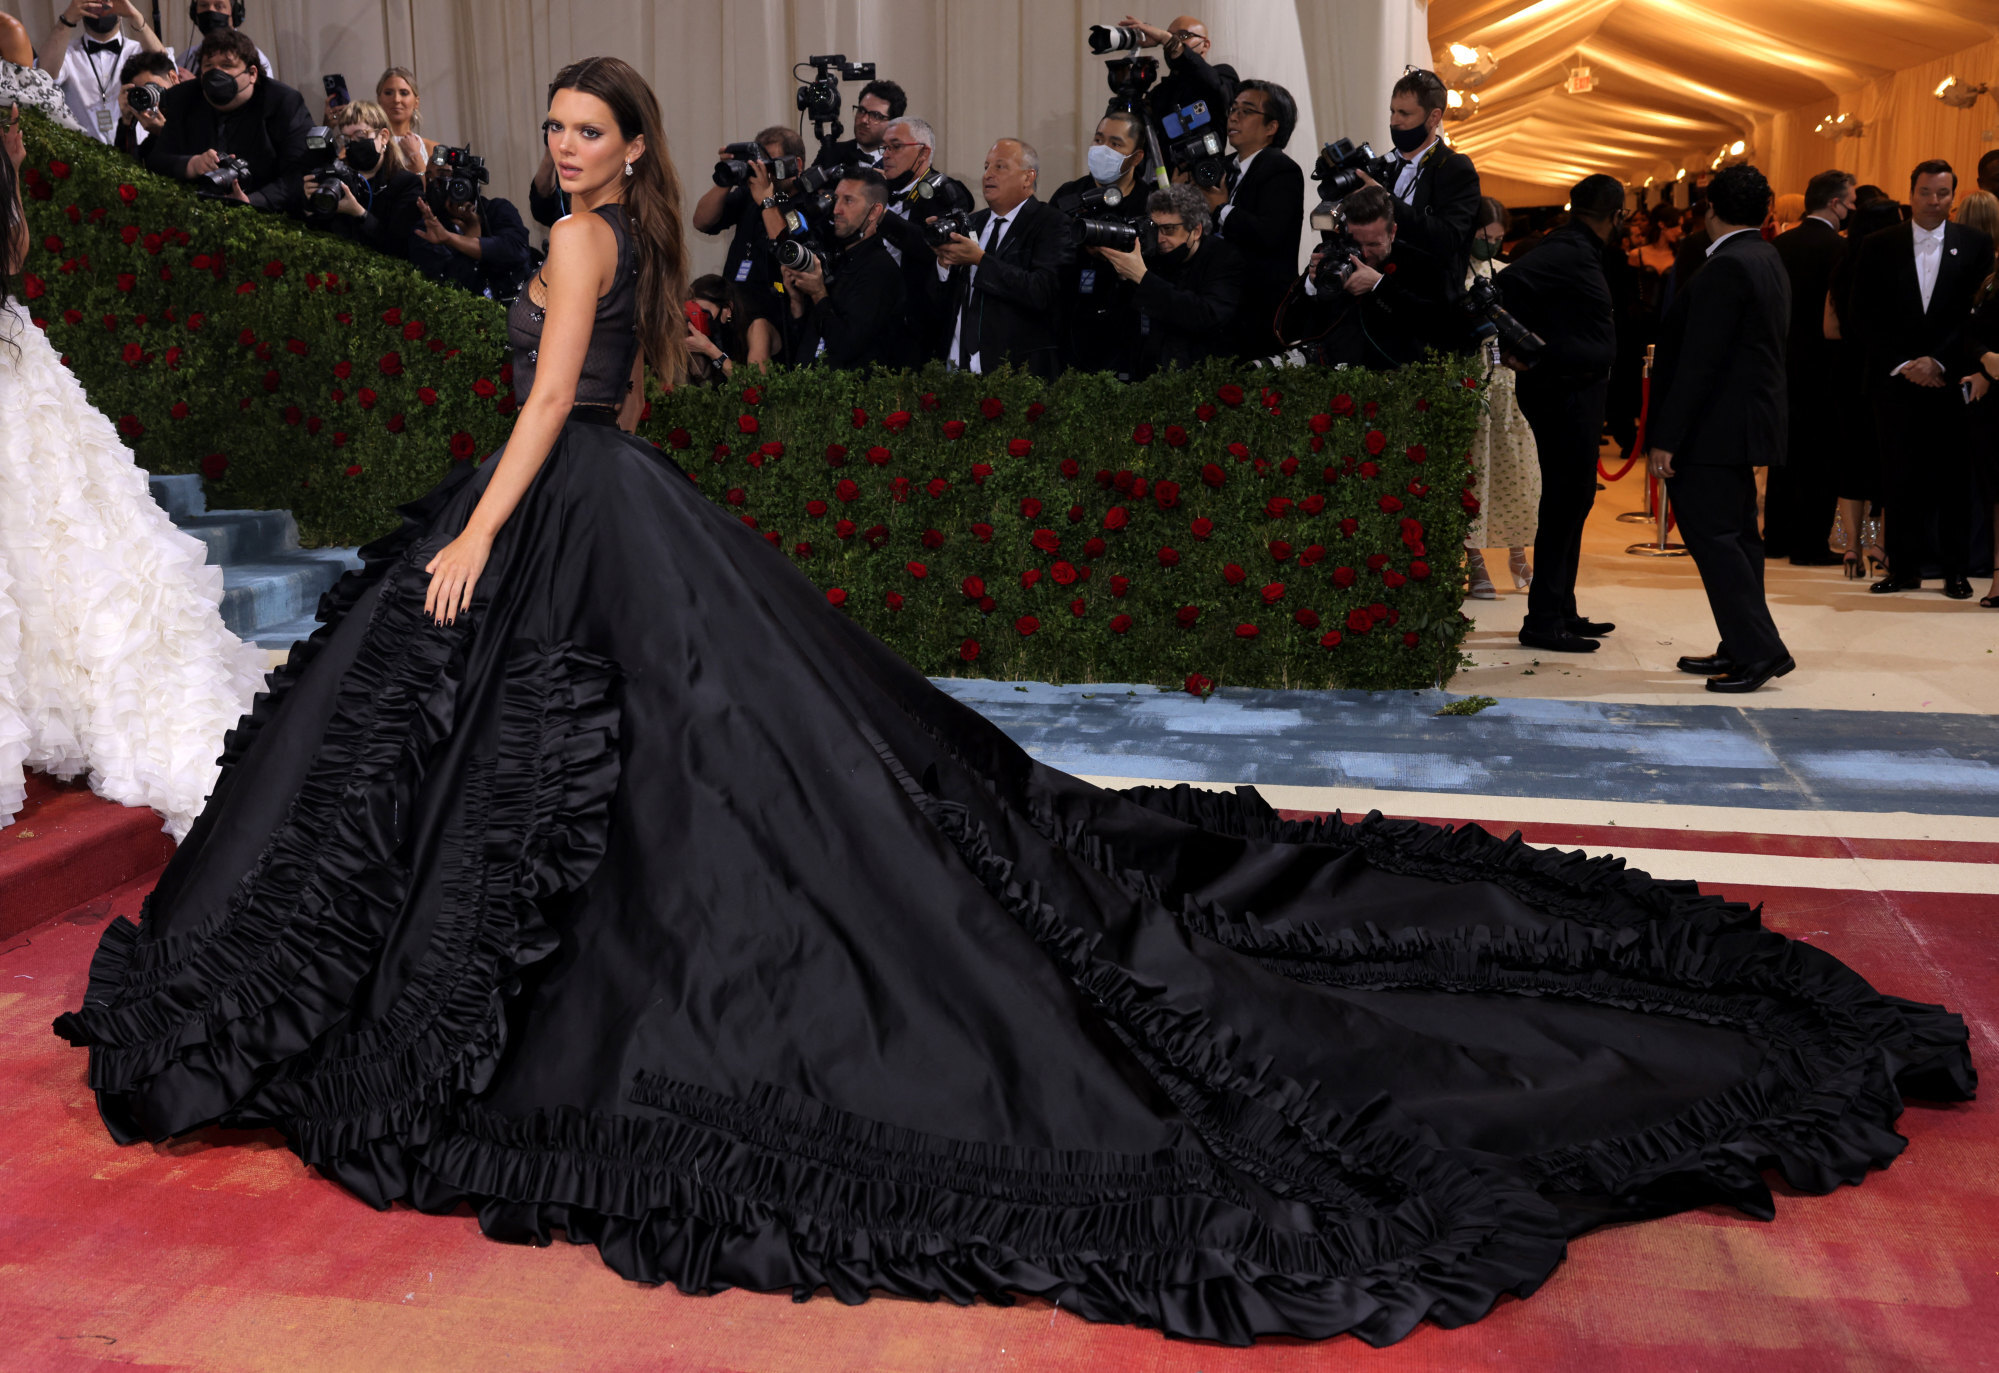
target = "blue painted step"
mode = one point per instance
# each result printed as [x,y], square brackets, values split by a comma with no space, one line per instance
[271,586]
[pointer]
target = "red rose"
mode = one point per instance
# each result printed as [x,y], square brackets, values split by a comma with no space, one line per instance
[893,600]
[1343,577]
[1368,469]
[1029,577]
[982,532]
[1213,476]
[72,317]
[1320,423]
[1197,685]
[896,422]
[1246,631]
[395,424]
[274,269]
[836,454]
[1169,557]
[1468,501]
[1280,550]
[1349,525]
[859,418]
[1371,409]
[772,449]
[1330,639]
[1375,442]
[1142,435]
[461,446]
[1359,621]
[1026,624]
[954,429]
[1186,615]
[916,570]
[937,486]
[1176,437]
[132,354]
[1311,555]
[898,490]
[835,595]
[1239,451]
[1094,548]
[484,388]
[1343,405]
[214,465]
[1313,505]
[423,393]
[293,415]
[1035,411]
[992,407]
[127,193]
[391,364]
[817,509]
[980,471]
[1411,639]
[195,321]
[1063,572]
[879,456]
[1117,517]
[1277,506]
[1419,570]
[180,410]
[1202,527]
[973,587]
[928,400]
[339,439]
[126,283]
[1229,394]
[1019,448]
[933,538]
[1233,574]
[1077,607]
[844,528]
[1376,561]
[1273,593]
[1305,618]
[847,489]
[507,405]
[1165,494]
[1389,504]
[1047,540]
[1120,585]
[1120,624]
[1205,412]
[1075,514]
[969,650]
[747,424]
[271,380]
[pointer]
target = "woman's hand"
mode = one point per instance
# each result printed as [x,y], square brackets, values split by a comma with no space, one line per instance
[454,572]
[698,342]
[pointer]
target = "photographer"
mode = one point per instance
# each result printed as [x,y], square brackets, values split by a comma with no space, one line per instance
[1260,208]
[211,17]
[368,196]
[232,110]
[1185,290]
[141,86]
[1102,321]
[917,191]
[89,71]
[465,239]
[751,209]
[1001,283]
[1383,306]
[1435,187]
[1189,75]
[881,104]
[851,308]
[1559,292]
[723,333]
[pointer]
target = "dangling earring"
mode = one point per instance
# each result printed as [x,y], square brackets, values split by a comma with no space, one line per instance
[628,169]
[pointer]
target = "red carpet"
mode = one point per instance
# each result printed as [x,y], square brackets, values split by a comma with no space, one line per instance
[223,1253]
[67,846]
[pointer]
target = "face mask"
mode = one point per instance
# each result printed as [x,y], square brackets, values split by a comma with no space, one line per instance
[1168,258]
[103,24]
[1106,164]
[362,155]
[1484,249]
[1409,140]
[211,21]
[218,87]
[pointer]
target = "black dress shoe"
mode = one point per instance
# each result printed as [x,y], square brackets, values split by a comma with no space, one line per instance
[1748,677]
[1716,664]
[1590,629]
[1957,588]
[1893,583]
[1557,641]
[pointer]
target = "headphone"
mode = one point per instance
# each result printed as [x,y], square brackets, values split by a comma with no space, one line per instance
[235,13]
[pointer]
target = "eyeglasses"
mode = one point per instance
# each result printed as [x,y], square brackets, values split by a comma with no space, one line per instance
[863,112]
[896,145]
[1240,108]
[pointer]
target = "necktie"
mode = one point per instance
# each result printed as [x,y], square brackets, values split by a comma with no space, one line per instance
[91,47]
[1232,177]
[974,313]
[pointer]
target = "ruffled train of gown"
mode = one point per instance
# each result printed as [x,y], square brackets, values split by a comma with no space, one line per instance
[657,905]
[114,661]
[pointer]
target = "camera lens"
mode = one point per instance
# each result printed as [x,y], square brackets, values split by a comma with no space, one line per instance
[1112,38]
[796,255]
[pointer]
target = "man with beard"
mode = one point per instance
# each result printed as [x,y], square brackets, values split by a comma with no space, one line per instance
[1391,306]
[849,311]
[1184,292]
[90,71]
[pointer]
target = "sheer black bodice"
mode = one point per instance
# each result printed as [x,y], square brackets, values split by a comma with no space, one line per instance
[614,342]
[656,903]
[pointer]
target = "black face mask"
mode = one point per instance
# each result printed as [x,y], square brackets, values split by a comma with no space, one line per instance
[211,21]
[362,155]
[1169,257]
[218,87]
[1409,140]
[105,23]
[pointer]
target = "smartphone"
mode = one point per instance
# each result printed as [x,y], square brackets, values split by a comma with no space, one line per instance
[336,89]
[1186,119]
[1965,389]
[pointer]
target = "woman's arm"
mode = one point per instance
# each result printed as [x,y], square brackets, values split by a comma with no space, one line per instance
[582,261]
[635,396]
[764,343]
[14,253]
[1829,325]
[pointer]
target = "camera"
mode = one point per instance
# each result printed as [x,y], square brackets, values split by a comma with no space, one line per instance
[1338,244]
[1490,321]
[1194,145]
[325,198]
[799,254]
[145,97]
[736,168]
[1340,165]
[819,98]
[1085,206]
[1130,78]
[1114,38]
[456,174]
[229,169]
[937,233]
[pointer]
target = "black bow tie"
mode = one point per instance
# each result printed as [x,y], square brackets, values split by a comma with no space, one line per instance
[92,47]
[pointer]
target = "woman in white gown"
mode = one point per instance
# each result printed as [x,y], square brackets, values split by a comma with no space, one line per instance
[113,658]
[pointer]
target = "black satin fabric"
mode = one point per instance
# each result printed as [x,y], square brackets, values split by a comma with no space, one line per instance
[656,904]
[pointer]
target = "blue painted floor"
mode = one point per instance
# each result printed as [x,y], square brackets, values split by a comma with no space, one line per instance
[1708,755]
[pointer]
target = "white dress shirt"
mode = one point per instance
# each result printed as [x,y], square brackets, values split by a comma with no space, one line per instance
[1241,171]
[1725,237]
[1929,260]
[90,84]
[1404,188]
[988,237]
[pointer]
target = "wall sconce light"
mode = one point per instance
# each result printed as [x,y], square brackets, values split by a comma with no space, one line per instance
[1460,105]
[1467,65]
[1838,126]
[1956,94]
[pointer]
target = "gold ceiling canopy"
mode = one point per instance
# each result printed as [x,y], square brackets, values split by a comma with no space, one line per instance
[1675,79]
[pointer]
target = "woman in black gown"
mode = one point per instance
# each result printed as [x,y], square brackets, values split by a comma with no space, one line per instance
[646,898]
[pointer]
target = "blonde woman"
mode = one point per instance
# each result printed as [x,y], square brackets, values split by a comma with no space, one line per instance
[396,96]
[1980,211]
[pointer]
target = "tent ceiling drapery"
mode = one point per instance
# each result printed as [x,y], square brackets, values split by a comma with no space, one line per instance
[1676,78]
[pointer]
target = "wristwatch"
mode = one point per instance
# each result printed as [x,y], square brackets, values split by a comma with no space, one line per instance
[66,23]
[769,202]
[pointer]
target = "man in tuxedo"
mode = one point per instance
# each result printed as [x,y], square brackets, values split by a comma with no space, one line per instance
[880,105]
[1260,208]
[1435,187]
[1718,411]
[1912,299]
[1001,285]
[1393,306]
[1559,292]
[1803,494]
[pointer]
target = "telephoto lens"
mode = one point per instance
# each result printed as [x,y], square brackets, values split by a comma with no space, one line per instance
[1113,38]
[145,96]
[1108,233]
[796,254]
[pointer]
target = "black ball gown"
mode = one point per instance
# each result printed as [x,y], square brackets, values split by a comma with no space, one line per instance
[657,904]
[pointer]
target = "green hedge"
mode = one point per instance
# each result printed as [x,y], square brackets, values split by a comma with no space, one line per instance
[1259,527]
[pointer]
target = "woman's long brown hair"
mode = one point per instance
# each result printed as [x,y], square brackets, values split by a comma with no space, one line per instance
[652,209]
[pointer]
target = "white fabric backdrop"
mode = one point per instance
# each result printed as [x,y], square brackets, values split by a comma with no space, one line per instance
[976,69]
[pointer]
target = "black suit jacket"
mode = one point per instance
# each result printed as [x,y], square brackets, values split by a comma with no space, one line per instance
[1441,214]
[1890,322]
[267,132]
[1718,378]
[1406,315]
[1559,291]
[861,321]
[1264,223]
[1015,299]
[1183,311]
[1809,252]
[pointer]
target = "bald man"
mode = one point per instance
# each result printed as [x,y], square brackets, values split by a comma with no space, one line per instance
[1189,75]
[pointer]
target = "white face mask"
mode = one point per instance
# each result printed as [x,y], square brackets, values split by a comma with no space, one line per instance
[1106,164]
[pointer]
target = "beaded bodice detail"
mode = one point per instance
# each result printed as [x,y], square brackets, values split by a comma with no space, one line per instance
[607,367]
